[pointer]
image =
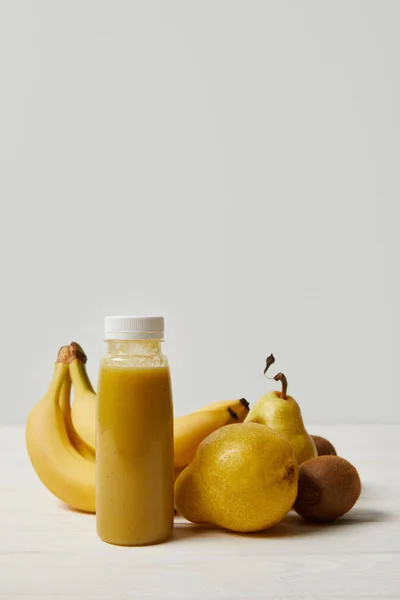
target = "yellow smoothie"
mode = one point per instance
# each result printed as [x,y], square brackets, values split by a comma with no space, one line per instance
[134,454]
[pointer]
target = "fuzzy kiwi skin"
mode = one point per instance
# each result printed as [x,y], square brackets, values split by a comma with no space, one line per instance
[324,446]
[329,486]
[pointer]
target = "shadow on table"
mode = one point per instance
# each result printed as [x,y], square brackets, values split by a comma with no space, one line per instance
[68,508]
[362,515]
[291,526]
[294,525]
[185,530]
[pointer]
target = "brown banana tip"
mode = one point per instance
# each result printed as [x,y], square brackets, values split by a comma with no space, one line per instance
[245,403]
[77,352]
[233,414]
[64,355]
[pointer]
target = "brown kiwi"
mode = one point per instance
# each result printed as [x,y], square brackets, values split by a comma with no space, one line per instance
[329,486]
[324,447]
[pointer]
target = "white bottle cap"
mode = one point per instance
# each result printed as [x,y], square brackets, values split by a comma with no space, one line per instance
[134,328]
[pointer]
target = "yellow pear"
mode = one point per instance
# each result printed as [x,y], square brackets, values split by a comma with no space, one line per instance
[177,472]
[243,477]
[282,413]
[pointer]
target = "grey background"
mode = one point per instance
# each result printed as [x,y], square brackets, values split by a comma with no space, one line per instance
[231,165]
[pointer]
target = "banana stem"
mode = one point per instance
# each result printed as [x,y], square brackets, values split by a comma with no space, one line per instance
[79,376]
[65,394]
[77,352]
[65,355]
[281,377]
[58,380]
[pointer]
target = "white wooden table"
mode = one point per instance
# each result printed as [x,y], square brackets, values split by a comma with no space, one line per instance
[50,552]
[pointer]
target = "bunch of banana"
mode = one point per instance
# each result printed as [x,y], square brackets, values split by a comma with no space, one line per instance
[60,438]
[54,447]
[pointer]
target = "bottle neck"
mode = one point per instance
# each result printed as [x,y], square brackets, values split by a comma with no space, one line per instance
[133,347]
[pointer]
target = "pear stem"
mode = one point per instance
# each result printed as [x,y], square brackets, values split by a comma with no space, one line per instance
[281,377]
[269,361]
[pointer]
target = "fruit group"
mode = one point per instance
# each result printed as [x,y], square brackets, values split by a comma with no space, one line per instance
[323,446]
[243,478]
[240,476]
[329,486]
[60,467]
[282,413]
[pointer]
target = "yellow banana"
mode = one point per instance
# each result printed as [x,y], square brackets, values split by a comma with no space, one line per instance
[65,405]
[83,410]
[191,429]
[241,407]
[59,466]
